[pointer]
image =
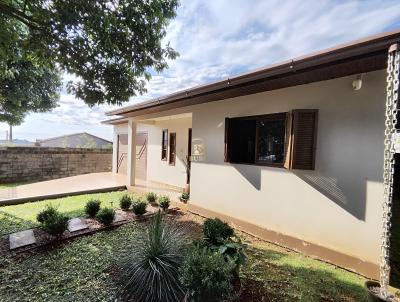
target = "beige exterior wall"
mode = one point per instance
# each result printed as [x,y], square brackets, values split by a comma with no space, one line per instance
[338,205]
[160,170]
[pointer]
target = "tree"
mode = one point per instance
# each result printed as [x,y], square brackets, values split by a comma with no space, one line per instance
[26,87]
[111,46]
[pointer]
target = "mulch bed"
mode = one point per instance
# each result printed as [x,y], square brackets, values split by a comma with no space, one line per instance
[44,240]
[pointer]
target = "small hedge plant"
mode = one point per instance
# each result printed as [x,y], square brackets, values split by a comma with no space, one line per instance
[139,206]
[206,275]
[125,202]
[106,216]
[45,214]
[184,197]
[92,207]
[52,221]
[164,202]
[151,197]
[215,230]
[220,238]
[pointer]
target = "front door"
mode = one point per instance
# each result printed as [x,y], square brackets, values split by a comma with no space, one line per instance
[122,159]
[141,155]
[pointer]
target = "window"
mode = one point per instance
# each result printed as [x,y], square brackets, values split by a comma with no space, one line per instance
[258,139]
[164,145]
[282,139]
[172,149]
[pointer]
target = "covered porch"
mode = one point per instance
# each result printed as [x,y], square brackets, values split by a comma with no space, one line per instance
[153,152]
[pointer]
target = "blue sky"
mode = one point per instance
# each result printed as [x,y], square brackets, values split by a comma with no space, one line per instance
[218,38]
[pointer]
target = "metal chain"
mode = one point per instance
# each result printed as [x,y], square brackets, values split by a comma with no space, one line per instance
[388,165]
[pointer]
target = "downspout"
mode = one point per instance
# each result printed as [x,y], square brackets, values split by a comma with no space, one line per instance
[393,68]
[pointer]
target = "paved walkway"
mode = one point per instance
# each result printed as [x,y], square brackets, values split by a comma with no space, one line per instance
[75,185]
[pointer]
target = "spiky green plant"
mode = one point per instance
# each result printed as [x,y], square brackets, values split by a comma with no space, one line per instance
[151,270]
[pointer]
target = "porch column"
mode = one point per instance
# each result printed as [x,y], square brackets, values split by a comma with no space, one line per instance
[115,153]
[131,153]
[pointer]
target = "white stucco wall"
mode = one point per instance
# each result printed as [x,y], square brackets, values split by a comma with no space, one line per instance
[159,170]
[339,204]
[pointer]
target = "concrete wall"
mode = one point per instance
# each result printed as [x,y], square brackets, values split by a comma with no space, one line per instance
[19,164]
[338,205]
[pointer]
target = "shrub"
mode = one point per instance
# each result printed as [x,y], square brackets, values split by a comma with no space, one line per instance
[125,202]
[139,207]
[45,214]
[232,251]
[184,197]
[215,230]
[164,202]
[151,197]
[206,275]
[151,270]
[52,221]
[92,207]
[106,216]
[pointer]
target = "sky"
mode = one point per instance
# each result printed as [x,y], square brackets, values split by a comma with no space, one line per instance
[221,38]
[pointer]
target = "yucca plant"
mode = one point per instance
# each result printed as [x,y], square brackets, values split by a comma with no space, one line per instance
[151,270]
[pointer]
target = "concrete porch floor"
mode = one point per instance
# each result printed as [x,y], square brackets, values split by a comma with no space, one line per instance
[81,184]
[75,185]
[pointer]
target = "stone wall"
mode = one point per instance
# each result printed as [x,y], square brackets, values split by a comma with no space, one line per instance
[20,164]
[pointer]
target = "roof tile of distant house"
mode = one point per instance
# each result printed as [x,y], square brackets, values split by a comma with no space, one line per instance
[76,140]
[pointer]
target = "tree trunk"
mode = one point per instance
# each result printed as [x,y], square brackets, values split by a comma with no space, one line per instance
[10,135]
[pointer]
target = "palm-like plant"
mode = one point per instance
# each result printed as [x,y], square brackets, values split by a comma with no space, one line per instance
[151,271]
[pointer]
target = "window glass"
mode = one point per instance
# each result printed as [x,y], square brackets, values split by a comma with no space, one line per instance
[172,148]
[256,140]
[164,145]
[271,141]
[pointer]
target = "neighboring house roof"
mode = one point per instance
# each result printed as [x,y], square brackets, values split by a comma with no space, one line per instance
[76,140]
[356,57]
[17,142]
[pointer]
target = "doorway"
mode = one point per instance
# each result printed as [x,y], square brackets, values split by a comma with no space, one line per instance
[141,155]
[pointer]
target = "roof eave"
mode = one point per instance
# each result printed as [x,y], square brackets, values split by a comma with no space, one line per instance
[373,44]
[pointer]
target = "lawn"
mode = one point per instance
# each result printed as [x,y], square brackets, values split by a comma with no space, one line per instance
[20,217]
[86,268]
[11,185]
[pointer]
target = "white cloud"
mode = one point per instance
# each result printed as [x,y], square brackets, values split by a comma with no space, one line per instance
[218,38]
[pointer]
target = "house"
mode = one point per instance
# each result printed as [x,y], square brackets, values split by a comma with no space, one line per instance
[76,140]
[292,152]
[16,143]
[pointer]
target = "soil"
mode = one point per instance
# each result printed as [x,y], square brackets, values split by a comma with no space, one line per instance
[45,240]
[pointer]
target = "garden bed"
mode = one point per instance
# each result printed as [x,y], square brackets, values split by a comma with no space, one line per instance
[87,268]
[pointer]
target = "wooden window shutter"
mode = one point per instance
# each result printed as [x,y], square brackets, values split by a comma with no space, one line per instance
[301,138]
[226,140]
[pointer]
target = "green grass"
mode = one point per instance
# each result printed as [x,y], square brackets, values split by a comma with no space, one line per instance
[81,270]
[11,185]
[23,216]
[283,275]
[86,268]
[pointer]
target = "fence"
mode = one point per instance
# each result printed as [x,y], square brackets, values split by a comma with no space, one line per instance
[25,164]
